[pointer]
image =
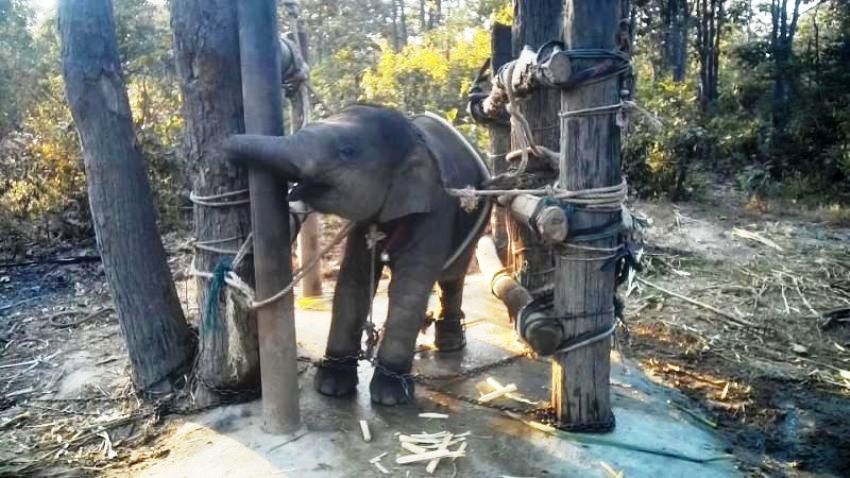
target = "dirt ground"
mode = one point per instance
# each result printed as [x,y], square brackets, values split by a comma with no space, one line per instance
[743,309]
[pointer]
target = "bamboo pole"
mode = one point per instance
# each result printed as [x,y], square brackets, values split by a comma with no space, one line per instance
[308,239]
[261,79]
[500,136]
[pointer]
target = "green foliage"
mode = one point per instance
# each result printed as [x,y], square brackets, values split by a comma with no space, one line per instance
[42,182]
[738,136]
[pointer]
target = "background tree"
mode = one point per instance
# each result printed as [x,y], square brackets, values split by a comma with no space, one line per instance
[158,339]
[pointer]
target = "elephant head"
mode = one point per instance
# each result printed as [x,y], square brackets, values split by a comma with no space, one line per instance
[366,163]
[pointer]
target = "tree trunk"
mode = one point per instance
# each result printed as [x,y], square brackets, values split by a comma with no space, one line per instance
[709,31]
[535,22]
[158,338]
[590,158]
[675,48]
[402,23]
[500,138]
[396,35]
[206,43]
[308,238]
[782,47]
[423,20]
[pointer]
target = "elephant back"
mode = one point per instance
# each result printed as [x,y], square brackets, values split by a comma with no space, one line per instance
[460,166]
[459,162]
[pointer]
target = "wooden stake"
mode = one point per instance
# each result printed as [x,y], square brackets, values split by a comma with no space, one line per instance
[536,22]
[590,158]
[308,240]
[364,429]
[258,45]
[500,136]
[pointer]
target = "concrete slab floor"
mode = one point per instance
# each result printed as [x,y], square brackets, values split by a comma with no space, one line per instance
[229,441]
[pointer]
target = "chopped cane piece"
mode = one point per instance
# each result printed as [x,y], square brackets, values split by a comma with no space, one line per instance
[364,428]
[381,467]
[432,465]
[403,460]
[492,382]
[415,449]
[497,393]
[378,458]
[433,415]
[421,439]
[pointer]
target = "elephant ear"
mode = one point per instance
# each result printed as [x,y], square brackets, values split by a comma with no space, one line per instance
[412,188]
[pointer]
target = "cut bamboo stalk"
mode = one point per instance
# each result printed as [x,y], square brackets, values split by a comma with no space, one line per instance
[364,429]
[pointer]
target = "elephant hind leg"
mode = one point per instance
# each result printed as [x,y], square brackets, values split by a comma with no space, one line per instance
[449,329]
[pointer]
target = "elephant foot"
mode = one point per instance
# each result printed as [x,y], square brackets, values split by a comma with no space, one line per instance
[391,388]
[336,378]
[450,334]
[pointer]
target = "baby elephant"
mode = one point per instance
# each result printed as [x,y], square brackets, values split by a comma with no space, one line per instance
[377,167]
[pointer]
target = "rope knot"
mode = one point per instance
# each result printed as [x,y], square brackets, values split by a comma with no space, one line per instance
[468,199]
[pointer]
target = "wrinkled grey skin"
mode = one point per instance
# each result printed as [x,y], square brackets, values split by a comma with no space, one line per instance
[372,165]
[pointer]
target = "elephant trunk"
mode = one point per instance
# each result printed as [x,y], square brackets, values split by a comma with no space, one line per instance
[272,153]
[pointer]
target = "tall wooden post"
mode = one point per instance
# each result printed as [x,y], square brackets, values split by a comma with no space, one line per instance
[259,54]
[590,158]
[308,238]
[536,22]
[500,136]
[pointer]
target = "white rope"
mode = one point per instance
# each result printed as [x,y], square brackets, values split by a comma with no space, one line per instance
[595,198]
[212,200]
[584,343]
[623,110]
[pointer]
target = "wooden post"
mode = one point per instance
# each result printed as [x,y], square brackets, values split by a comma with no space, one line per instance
[590,158]
[535,22]
[500,137]
[158,338]
[308,239]
[261,96]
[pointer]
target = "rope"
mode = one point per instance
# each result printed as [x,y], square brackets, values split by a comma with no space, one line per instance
[584,343]
[628,106]
[255,304]
[211,201]
[607,198]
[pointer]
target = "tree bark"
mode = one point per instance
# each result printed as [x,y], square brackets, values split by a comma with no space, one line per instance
[158,338]
[590,158]
[535,22]
[206,44]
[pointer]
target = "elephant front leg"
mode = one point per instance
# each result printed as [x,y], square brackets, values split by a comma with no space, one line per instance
[337,375]
[408,299]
